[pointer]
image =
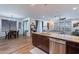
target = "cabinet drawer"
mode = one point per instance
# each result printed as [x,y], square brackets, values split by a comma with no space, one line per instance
[58,41]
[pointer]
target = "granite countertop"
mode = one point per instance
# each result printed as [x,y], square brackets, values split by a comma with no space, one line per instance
[60,36]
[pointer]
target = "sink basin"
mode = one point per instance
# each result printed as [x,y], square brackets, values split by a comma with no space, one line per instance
[46,33]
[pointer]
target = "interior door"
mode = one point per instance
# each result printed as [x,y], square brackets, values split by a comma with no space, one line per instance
[25,28]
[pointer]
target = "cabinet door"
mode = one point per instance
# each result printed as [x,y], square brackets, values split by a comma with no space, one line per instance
[43,43]
[72,47]
[62,49]
[57,47]
[35,40]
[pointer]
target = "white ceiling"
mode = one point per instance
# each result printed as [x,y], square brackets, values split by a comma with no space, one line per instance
[37,11]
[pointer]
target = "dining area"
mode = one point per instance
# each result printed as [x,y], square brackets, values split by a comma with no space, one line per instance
[9,28]
[11,34]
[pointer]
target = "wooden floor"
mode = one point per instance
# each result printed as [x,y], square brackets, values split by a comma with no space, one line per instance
[20,45]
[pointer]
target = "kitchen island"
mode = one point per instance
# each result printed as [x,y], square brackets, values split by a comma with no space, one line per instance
[56,43]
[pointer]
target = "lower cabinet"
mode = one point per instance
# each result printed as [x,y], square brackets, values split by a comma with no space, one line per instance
[54,45]
[40,41]
[72,48]
[57,46]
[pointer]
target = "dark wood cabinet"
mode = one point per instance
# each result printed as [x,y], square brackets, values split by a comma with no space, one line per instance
[41,42]
[45,43]
[34,39]
[72,47]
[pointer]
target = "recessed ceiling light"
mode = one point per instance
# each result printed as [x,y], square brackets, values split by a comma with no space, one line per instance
[75,8]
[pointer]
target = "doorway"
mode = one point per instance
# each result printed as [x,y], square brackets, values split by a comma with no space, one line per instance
[25,28]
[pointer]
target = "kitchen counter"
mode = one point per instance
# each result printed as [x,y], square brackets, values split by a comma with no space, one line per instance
[60,36]
[56,43]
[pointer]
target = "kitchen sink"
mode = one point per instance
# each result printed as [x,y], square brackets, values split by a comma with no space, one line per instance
[46,33]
